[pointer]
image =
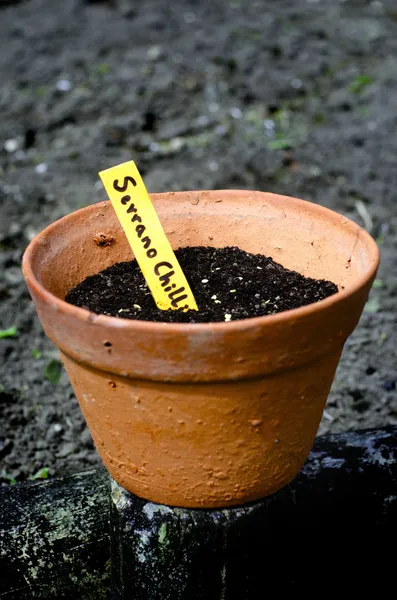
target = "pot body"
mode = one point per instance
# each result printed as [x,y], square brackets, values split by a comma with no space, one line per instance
[204,415]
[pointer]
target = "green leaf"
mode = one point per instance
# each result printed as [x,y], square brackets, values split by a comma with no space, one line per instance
[53,371]
[102,69]
[36,353]
[378,283]
[41,474]
[363,110]
[162,533]
[373,305]
[359,84]
[8,333]
[7,477]
[281,144]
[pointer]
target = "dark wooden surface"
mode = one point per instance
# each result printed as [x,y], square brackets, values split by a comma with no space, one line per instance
[54,538]
[332,529]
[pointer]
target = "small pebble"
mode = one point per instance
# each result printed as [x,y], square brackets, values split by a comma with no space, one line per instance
[63,85]
[228,317]
[154,53]
[204,281]
[202,121]
[11,145]
[213,107]
[236,113]
[19,155]
[314,171]
[41,168]
[177,143]
[296,84]
[220,130]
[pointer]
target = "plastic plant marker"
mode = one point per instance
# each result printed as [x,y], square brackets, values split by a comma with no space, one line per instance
[146,236]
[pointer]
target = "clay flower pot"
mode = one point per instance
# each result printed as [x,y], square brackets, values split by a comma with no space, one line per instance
[204,415]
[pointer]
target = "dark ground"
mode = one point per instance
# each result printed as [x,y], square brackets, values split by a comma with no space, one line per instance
[290,96]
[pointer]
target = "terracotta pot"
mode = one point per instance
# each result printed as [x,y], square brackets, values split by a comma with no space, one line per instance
[204,415]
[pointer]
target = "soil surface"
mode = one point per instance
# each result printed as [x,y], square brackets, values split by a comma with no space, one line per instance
[296,97]
[228,284]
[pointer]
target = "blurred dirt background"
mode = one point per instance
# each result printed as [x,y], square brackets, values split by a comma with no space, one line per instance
[290,96]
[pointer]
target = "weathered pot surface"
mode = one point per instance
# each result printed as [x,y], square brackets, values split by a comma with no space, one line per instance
[204,415]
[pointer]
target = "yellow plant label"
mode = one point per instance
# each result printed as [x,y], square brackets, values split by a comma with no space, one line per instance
[147,238]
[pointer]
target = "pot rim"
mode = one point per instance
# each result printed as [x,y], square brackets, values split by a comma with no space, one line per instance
[116,323]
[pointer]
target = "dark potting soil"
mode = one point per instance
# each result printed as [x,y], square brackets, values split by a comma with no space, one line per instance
[228,284]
